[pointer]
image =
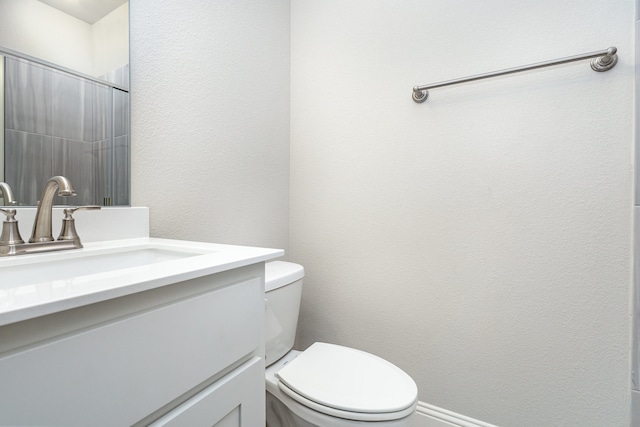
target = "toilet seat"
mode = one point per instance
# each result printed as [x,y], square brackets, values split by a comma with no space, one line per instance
[347,383]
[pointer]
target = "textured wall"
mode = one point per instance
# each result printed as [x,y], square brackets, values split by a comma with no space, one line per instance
[210,119]
[635,363]
[481,240]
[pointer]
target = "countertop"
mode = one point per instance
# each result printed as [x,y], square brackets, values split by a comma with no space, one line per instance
[22,299]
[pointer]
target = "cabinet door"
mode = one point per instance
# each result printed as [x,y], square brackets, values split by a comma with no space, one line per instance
[236,400]
[118,373]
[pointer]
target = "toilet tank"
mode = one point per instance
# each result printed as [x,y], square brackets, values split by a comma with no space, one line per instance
[283,289]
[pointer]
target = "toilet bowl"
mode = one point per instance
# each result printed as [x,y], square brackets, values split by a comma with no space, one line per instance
[326,385]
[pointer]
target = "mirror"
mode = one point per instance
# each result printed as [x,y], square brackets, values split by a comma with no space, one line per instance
[64,89]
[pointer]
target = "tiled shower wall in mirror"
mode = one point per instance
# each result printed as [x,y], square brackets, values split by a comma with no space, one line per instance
[61,124]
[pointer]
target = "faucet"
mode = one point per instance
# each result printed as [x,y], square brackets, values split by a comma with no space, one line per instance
[9,200]
[41,238]
[42,223]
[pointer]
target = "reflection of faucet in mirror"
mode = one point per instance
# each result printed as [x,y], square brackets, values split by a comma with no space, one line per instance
[7,194]
[42,223]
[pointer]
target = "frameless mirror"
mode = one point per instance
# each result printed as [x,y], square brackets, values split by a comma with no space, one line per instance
[64,99]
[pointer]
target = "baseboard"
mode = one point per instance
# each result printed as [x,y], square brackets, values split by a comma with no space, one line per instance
[431,416]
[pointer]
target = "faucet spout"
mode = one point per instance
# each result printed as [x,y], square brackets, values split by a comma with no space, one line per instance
[42,223]
[5,190]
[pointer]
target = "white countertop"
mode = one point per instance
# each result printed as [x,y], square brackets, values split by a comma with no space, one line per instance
[50,293]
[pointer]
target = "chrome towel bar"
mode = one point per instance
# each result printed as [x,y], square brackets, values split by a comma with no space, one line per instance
[603,60]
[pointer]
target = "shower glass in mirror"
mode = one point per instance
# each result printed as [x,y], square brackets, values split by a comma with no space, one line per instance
[66,103]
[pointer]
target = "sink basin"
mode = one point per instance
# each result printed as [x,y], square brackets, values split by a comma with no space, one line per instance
[35,285]
[86,264]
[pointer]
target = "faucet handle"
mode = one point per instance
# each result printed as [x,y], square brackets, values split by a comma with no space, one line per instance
[10,233]
[68,212]
[10,213]
[68,231]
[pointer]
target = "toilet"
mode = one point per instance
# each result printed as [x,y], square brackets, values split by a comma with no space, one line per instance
[326,385]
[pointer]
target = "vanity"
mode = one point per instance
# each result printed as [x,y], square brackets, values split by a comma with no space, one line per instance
[132,332]
[128,330]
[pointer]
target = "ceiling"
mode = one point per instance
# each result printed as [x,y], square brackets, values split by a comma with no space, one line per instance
[89,11]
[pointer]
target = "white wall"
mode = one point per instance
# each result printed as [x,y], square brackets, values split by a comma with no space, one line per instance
[39,30]
[110,41]
[210,119]
[481,240]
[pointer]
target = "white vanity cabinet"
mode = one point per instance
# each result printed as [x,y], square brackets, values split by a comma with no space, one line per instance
[183,354]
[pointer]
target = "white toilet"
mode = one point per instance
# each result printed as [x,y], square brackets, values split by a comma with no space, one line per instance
[326,385]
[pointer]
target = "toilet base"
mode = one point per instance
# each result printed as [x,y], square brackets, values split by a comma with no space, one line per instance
[278,415]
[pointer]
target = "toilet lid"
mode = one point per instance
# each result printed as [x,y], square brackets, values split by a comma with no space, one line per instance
[338,380]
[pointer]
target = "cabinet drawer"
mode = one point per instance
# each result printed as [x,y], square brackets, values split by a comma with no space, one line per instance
[235,400]
[118,373]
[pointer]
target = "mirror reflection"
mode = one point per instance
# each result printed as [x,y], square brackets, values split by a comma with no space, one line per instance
[64,82]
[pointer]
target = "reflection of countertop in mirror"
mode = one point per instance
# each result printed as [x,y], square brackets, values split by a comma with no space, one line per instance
[40,284]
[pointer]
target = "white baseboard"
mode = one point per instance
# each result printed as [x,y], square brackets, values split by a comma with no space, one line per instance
[431,416]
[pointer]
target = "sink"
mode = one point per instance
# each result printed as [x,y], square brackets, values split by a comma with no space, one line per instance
[86,264]
[35,285]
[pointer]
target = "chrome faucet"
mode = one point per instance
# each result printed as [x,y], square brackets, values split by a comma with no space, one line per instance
[5,190]
[41,238]
[42,223]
